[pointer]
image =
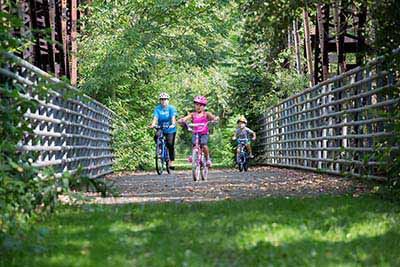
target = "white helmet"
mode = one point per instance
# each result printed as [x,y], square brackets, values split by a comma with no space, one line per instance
[164,95]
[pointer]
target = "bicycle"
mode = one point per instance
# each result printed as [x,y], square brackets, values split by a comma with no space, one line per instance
[242,159]
[162,156]
[199,161]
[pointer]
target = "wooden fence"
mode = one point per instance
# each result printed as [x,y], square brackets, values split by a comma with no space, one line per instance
[69,128]
[333,126]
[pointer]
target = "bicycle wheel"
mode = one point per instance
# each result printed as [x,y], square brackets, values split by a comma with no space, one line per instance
[240,166]
[204,169]
[167,167]
[195,166]
[241,163]
[159,158]
[166,159]
[245,164]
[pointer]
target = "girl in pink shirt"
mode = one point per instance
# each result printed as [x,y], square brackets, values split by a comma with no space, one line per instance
[201,116]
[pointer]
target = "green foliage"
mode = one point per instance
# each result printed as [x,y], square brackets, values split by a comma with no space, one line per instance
[263,74]
[257,87]
[132,142]
[234,52]
[8,41]
[25,191]
[138,49]
[127,43]
[266,24]
[386,25]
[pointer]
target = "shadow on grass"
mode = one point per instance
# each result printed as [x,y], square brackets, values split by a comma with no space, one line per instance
[324,231]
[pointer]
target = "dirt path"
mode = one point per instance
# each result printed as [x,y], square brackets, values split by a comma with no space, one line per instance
[227,184]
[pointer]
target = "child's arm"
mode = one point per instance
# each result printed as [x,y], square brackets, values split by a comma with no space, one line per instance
[212,117]
[184,119]
[234,135]
[253,133]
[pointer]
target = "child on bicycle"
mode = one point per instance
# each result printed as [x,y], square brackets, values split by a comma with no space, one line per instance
[201,116]
[242,132]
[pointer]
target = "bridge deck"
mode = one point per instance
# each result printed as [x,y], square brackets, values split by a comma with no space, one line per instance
[227,184]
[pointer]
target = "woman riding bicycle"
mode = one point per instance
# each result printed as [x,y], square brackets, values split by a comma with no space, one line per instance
[165,115]
[201,116]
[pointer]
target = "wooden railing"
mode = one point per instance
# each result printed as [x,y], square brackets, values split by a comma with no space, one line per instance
[333,126]
[70,130]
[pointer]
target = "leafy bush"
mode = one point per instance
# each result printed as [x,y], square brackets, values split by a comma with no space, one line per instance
[25,191]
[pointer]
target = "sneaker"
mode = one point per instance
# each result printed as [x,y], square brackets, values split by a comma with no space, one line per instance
[190,159]
[251,156]
[209,163]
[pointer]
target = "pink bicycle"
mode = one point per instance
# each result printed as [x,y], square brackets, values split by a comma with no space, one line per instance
[199,161]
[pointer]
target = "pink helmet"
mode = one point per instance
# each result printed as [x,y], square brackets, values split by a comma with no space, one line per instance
[200,99]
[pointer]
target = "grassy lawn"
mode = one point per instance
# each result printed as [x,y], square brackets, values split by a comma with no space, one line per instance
[321,231]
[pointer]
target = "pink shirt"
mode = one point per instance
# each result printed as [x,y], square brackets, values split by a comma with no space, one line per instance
[202,119]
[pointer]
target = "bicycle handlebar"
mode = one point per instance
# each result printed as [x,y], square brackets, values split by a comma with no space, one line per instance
[190,126]
[157,127]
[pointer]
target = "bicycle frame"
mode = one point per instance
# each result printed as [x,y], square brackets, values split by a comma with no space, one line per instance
[161,139]
[199,166]
[197,147]
[164,156]
[242,158]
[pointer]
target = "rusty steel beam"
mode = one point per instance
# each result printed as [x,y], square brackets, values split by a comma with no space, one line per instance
[64,35]
[54,26]
[340,33]
[323,31]
[340,27]
[59,50]
[52,16]
[26,29]
[74,45]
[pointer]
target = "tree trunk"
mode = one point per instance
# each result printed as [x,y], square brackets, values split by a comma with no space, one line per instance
[297,46]
[307,40]
[322,40]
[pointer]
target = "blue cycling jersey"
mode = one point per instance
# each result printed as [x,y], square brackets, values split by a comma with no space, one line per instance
[164,117]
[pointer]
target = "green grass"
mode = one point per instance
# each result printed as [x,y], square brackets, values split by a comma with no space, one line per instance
[320,231]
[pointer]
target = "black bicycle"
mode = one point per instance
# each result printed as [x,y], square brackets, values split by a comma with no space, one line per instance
[242,159]
[162,157]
